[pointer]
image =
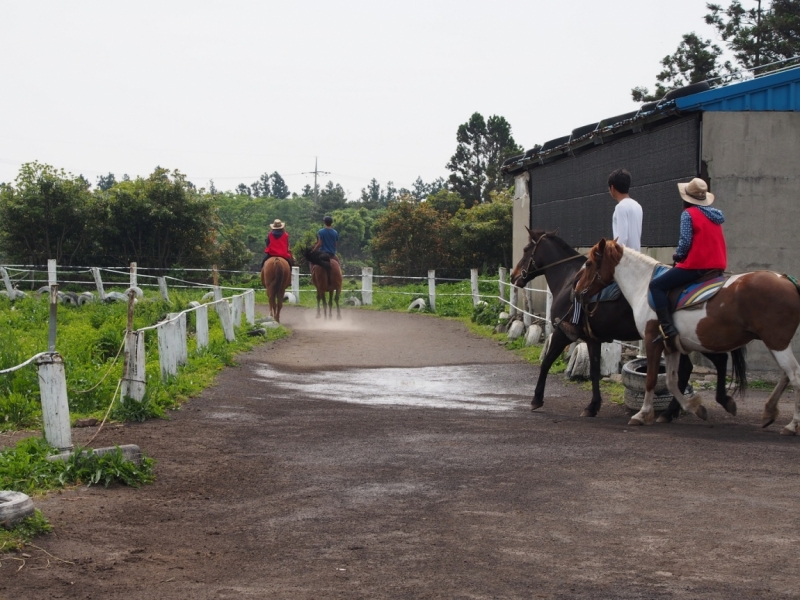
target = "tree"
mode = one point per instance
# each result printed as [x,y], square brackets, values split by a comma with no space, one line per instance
[332,197]
[410,238]
[45,214]
[483,234]
[695,60]
[261,188]
[372,196]
[758,37]
[243,190]
[445,202]
[279,188]
[421,190]
[482,148]
[104,182]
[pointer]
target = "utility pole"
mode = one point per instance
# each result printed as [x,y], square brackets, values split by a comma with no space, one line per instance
[758,36]
[316,172]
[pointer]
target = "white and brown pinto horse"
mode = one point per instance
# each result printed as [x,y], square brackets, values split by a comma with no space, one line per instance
[751,306]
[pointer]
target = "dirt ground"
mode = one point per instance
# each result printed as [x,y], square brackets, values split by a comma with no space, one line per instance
[395,456]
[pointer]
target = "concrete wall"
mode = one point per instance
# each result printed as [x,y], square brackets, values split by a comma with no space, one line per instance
[752,160]
[521,217]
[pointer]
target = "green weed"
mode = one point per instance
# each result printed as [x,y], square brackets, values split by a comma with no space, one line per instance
[16,537]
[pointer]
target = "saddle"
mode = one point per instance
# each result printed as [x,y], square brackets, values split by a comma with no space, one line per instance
[693,295]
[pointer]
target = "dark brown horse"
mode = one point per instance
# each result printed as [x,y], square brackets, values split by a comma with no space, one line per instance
[547,254]
[750,306]
[276,275]
[326,275]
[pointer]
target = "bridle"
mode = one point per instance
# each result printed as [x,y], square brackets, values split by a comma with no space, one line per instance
[532,270]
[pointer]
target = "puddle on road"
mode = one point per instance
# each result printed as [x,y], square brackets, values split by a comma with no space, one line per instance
[471,387]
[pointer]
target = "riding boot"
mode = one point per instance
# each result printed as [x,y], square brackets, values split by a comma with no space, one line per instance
[668,331]
[570,330]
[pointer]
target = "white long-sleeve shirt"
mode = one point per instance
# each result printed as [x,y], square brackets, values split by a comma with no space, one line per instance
[627,224]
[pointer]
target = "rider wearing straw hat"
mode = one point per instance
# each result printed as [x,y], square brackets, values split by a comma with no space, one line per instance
[278,243]
[701,248]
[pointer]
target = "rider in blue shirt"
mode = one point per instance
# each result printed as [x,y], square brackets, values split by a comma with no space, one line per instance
[327,238]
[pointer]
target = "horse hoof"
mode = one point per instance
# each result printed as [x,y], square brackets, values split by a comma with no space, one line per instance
[588,413]
[635,422]
[787,431]
[664,419]
[730,405]
[767,422]
[702,413]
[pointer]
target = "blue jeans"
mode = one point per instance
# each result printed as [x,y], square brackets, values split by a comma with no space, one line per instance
[675,277]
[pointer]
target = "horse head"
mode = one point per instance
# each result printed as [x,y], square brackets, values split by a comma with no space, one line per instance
[527,268]
[598,271]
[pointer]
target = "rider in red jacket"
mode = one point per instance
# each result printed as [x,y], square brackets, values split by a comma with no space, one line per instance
[278,243]
[701,249]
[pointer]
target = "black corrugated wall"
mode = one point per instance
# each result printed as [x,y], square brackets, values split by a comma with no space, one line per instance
[571,194]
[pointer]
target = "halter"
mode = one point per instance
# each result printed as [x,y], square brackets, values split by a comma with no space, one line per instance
[533,270]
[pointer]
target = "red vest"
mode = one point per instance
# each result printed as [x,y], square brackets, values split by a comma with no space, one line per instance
[708,244]
[279,246]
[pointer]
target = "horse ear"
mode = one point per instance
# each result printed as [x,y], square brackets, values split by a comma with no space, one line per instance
[600,248]
[530,235]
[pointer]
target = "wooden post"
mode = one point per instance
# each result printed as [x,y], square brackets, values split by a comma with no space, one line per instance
[215,275]
[432,289]
[501,275]
[98,281]
[168,350]
[366,285]
[162,287]
[237,308]
[201,326]
[180,337]
[473,281]
[128,355]
[296,284]
[527,305]
[250,307]
[226,319]
[133,275]
[7,280]
[513,300]
[217,293]
[53,281]
[548,326]
[55,404]
[134,381]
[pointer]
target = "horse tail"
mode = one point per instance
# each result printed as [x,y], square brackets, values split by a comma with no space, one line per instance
[277,280]
[739,369]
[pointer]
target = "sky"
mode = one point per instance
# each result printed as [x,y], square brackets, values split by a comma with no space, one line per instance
[373,89]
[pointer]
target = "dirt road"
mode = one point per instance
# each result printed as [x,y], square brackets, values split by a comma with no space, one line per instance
[395,456]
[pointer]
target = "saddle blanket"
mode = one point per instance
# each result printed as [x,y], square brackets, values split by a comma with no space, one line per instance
[693,294]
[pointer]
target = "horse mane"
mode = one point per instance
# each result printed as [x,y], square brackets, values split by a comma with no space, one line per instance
[319,258]
[538,233]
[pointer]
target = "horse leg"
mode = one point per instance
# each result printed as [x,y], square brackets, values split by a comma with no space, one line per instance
[279,305]
[558,341]
[771,405]
[694,404]
[684,373]
[720,361]
[654,350]
[594,374]
[788,363]
[320,296]
[338,312]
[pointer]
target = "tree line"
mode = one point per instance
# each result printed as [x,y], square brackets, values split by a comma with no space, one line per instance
[165,221]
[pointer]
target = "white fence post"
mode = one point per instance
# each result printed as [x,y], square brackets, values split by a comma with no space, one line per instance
[473,282]
[217,294]
[226,318]
[98,281]
[501,275]
[296,284]
[527,305]
[432,289]
[53,281]
[134,380]
[9,288]
[133,275]
[250,307]
[237,309]
[180,333]
[55,405]
[201,326]
[366,285]
[548,326]
[171,350]
[513,300]
[162,287]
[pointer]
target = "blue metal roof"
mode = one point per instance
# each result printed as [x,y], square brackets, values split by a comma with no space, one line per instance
[776,92]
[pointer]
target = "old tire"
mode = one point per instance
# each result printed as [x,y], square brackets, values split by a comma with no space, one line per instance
[14,508]
[634,374]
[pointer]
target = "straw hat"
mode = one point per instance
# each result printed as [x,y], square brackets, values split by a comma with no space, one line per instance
[277,224]
[696,192]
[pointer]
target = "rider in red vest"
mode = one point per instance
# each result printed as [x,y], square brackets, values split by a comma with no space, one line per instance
[701,249]
[278,243]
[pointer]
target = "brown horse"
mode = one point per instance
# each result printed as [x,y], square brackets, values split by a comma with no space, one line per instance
[276,275]
[750,306]
[326,275]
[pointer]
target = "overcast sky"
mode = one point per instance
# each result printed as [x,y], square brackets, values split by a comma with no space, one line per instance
[229,90]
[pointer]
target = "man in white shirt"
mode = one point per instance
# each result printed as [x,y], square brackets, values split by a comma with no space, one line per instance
[626,226]
[626,223]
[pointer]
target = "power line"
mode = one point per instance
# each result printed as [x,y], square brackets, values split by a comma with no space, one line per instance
[316,172]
